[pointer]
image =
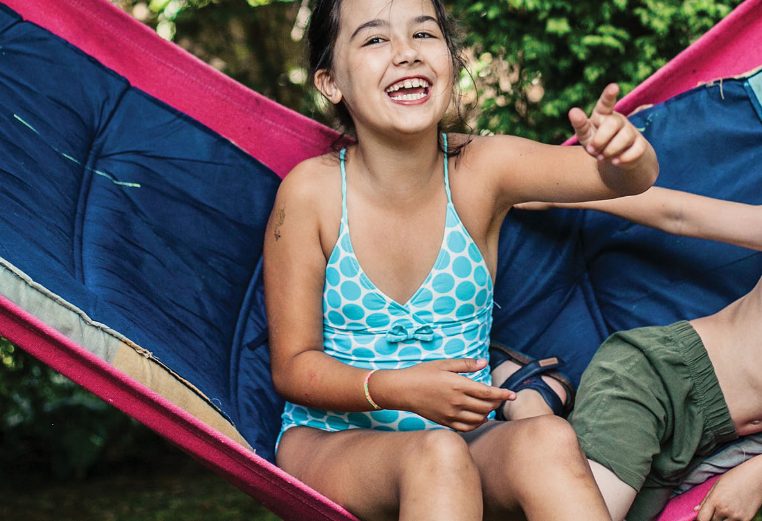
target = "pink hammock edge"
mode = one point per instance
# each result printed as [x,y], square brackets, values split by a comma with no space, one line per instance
[279,491]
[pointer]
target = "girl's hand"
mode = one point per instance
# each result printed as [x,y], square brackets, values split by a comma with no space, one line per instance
[436,391]
[736,496]
[608,135]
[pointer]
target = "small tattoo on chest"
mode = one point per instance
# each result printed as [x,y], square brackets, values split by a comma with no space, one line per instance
[280,217]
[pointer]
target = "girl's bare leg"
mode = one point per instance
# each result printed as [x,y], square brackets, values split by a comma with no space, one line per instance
[375,475]
[535,465]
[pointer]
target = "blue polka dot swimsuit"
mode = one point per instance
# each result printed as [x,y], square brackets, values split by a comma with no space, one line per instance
[449,316]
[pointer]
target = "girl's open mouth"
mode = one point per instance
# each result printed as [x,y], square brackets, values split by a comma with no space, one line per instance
[409,90]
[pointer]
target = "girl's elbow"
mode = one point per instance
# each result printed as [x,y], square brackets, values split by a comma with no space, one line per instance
[649,173]
[640,182]
[651,177]
[285,388]
[282,379]
[279,383]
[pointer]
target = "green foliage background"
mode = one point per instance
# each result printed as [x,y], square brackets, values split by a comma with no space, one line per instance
[535,59]
[50,424]
[530,60]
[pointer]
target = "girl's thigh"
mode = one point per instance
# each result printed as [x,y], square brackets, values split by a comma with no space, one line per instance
[371,473]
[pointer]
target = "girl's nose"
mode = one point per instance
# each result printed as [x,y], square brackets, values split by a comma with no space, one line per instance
[405,52]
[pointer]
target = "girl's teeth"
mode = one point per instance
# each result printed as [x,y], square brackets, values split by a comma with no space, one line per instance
[408,84]
[409,97]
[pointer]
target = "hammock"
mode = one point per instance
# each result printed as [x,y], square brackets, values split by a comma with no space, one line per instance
[135,183]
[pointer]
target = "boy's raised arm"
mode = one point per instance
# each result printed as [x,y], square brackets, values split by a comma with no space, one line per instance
[681,213]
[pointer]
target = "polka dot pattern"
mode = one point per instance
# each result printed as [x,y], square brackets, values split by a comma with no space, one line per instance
[449,316]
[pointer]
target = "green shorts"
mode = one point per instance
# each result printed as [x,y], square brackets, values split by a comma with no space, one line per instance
[649,408]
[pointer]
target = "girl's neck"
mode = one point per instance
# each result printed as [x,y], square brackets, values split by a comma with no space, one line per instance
[399,167]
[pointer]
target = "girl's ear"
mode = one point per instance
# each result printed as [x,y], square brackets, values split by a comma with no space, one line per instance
[327,87]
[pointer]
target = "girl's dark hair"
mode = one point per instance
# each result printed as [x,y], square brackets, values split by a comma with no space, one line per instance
[324,30]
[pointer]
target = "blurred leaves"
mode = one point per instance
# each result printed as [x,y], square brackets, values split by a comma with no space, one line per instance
[532,60]
[545,56]
[48,422]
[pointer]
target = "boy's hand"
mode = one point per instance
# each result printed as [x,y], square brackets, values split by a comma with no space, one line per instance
[436,391]
[535,206]
[608,135]
[736,496]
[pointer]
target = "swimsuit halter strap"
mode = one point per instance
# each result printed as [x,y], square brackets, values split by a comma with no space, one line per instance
[342,159]
[446,170]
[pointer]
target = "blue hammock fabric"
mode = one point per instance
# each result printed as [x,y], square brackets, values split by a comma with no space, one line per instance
[141,217]
[153,224]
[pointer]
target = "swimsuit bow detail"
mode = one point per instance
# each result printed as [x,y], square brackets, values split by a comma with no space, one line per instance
[401,332]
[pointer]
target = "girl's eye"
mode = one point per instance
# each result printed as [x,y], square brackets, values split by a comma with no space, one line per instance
[423,34]
[373,41]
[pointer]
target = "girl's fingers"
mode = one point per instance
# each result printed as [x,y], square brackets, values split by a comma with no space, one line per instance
[636,150]
[488,392]
[608,128]
[583,127]
[622,141]
[605,104]
[587,128]
[468,421]
[465,427]
[460,365]
[482,407]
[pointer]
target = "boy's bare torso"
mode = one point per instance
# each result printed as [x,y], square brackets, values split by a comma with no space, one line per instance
[733,340]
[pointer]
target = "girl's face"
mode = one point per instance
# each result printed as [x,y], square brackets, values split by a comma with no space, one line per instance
[392,67]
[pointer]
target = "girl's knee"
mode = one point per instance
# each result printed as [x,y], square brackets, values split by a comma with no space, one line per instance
[440,444]
[440,461]
[551,435]
[440,450]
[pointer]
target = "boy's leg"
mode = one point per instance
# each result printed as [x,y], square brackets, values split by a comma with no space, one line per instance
[641,413]
[534,465]
[617,494]
[376,475]
[528,403]
[622,413]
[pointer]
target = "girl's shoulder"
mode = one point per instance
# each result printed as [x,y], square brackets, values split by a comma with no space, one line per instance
[309,180]
[485,147]
[312,193]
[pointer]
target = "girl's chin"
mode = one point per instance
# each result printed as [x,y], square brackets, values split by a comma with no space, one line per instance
[412,132]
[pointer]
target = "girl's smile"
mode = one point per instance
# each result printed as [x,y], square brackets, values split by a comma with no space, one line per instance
[409,91]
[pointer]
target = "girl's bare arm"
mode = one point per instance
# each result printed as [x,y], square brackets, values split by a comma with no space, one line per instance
[614,160]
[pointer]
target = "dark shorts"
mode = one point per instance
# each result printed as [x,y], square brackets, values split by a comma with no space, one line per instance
[649,408]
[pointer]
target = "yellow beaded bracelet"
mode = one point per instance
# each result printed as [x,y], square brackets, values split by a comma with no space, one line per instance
[367,391]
